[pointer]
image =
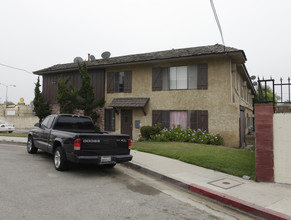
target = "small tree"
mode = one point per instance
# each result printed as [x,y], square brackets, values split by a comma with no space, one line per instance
[66,96]
[86,93]
[41,108]
[269,95]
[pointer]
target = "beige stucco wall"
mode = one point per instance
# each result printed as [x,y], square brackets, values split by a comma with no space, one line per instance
[16,110]
[282,148]
[223,109]
[21,122]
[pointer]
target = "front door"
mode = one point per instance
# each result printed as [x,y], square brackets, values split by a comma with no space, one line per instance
[126,122]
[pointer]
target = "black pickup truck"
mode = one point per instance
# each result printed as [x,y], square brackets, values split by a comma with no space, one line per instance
[72,138]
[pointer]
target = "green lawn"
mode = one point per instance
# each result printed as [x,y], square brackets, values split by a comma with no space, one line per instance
[14,134]
[233,161]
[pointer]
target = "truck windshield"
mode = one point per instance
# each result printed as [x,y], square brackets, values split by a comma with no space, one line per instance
[79,124]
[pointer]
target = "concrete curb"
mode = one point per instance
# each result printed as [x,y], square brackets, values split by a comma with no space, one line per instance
[220,197]
[12,142]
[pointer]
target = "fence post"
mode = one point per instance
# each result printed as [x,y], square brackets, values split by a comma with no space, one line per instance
[264,142]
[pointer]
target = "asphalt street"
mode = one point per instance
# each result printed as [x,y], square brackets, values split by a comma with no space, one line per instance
[31,188]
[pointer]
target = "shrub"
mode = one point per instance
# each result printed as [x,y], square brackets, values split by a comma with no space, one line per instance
[148,131]
[187,135]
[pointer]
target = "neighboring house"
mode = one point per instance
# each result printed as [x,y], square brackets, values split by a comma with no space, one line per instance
[204,87]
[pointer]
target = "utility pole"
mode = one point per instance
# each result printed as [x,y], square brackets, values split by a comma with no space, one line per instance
[7,90]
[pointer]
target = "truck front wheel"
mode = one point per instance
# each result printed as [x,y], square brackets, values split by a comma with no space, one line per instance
[31,149]
[60,160]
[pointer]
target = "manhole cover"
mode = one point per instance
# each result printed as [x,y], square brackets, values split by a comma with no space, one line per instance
[225,183]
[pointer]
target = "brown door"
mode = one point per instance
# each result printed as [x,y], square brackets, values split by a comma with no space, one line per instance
[242,127]
[126,122]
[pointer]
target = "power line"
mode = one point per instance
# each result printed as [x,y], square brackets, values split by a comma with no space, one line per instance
[217,20]
[12,67]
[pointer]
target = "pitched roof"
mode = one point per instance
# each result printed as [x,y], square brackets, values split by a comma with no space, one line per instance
[216,49]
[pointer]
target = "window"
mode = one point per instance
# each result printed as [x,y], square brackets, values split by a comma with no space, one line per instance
[69,123]
[237,81]
[47,122]
[194,119]
[241,88]
[109,120]
[180,77]
[178,118]
[119,82]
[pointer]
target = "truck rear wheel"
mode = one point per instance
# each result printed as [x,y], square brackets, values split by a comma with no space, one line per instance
[60,160]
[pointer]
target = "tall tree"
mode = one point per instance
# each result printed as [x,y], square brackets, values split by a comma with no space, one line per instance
[88,103]
[41,108]
[66,96]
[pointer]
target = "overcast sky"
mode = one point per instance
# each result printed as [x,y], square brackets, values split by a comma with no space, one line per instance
[38,34]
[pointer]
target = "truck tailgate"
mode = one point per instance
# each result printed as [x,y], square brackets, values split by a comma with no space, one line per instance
[104,145]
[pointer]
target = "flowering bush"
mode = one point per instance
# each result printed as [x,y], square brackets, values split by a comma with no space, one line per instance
[187,135]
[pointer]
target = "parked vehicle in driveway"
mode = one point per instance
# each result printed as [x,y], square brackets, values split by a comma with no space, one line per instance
[6,127]
[72,138]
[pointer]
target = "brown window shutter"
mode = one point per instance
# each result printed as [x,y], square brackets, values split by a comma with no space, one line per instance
[202,76]
[157,79]
[110,82]
[194,120]
[203,120]
[156,117]
[165,118]
[127,81]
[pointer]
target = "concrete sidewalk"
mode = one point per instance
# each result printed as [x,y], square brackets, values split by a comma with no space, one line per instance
[266,200]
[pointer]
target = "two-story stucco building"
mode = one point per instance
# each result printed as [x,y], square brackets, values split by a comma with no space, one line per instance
[204,87]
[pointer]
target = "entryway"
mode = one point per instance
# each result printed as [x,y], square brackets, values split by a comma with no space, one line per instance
[126,122]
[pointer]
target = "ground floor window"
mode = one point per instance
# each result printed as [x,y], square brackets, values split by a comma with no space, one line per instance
[179,118]
[194,119]
[109,120]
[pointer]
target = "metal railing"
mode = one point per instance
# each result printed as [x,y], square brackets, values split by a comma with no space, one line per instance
[275,93]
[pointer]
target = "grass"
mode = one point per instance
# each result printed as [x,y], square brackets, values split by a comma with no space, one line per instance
[14,134]
[232,161]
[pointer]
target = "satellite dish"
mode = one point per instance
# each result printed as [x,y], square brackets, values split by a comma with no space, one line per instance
[105,55]
[92,58]
[253,77]
[78,60]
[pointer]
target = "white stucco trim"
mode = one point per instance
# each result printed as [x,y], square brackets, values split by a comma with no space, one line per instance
[282,147]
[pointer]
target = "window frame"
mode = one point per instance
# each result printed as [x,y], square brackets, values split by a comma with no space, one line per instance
[114,84]
[161,77]
[196,119]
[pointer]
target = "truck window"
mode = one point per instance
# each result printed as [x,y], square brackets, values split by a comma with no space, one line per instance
[69,123]
[47,122]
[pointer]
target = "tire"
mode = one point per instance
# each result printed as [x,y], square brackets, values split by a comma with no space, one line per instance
[31,149]
[60,160]
[10,132]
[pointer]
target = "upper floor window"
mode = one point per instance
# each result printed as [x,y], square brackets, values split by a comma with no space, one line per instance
[119,82]
[180,77]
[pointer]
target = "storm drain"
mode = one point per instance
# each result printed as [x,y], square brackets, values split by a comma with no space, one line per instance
[225,183]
